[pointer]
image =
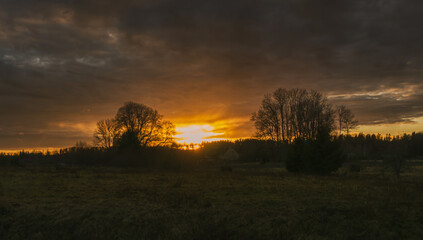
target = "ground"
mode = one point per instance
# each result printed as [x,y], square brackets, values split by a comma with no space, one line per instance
[247,203]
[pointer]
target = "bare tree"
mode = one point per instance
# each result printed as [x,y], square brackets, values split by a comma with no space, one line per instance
[168,131]
[145,123]
[106,133]
[266,119]
[80,145]
[345,119]
[289,114]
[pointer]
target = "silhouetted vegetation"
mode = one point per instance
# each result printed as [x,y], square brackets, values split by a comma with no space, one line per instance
[316,156]
[357,148]
[345,119]
[376,146]
[135,126]
[304,119]
[138,137]
[289,114]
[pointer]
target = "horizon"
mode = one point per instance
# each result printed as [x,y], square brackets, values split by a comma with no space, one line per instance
[199,133]
[195,145]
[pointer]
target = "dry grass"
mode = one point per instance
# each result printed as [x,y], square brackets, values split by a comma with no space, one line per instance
[106,203]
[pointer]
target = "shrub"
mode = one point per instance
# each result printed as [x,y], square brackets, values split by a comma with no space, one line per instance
[316,156]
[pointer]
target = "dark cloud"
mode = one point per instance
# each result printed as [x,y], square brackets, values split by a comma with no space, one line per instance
[65,64]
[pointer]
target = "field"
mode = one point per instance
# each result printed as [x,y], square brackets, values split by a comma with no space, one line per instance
[247,203]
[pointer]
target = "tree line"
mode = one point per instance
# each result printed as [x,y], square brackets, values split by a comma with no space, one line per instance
[297,127]
[357,147]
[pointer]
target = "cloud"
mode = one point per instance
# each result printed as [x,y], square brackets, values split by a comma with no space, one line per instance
[201,61]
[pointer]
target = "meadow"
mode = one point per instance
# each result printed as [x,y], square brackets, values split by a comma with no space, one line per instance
[253,202]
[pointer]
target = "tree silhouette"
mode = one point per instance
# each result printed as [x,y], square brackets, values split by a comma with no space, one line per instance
[304,120]
[135,125]
[345,119]
[289,114]
[138,121]
[106,134]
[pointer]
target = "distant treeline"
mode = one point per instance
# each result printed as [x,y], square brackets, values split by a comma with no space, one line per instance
[151,157]
[355,147]
[376,146]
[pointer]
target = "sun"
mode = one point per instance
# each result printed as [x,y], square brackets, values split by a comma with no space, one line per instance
[196,134]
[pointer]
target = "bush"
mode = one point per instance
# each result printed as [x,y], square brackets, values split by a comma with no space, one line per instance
[316,156]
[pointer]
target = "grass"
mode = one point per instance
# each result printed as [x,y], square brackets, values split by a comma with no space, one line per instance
[248,203]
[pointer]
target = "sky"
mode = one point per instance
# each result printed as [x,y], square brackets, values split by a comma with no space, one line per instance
[66,64]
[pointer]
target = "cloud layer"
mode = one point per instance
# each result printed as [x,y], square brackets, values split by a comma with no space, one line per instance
[65,64]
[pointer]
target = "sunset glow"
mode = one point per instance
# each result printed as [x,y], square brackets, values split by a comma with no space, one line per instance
[415,125]
[70,64]
[196,134]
